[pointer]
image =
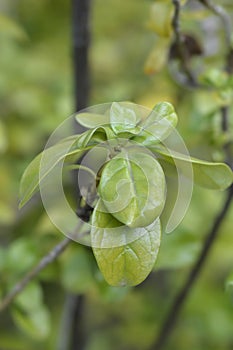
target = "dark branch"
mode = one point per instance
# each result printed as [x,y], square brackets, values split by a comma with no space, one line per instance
[227,27]
[224,17]
[81,41]
[73,308]
[72,323]
[225,127]
[183,294]
[179,43]
[181,297]
[46,260]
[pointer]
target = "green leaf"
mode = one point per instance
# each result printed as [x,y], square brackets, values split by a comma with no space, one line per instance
[158,125]
[94,136]
[36,323]
[124,255]
[161,18]
[132,187]
[32,177]
[91,120]
[124,118]
[216,176]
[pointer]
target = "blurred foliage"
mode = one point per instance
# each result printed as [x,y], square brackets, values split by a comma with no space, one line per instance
[36,95]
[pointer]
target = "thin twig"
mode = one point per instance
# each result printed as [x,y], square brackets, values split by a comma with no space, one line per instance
[224,17]
[72,323]
[181,297]
[46,260]
[179,43]
[225,127]
[73,308]
[227,27]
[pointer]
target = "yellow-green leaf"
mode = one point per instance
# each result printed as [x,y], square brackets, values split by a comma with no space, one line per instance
[161,18]
[34,174]
[158,125]
[124,255]
[132,187]
[216,176]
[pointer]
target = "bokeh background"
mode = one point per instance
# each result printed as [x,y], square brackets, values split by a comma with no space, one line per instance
[36,94]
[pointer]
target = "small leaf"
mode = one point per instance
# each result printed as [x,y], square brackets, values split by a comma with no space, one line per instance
[91,120]
[130,261]
[94,136]
[161,18]
[124,118]
[33,175]
[158,125]
[132,187]
[216,176]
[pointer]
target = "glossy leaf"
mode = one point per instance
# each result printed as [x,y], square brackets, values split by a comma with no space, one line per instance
[92,120]
[158,125]
[132,187]
[94,136]
[69,149]
[124,118]
[217,176]
[31,178]
[124,255]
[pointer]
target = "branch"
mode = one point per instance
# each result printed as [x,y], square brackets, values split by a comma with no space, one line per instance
[72,333]
[46,260]
[180,45]
[80,41]
[183,294]
[181,297]
[225,127]
[227,27]
[72,322]
[224,17]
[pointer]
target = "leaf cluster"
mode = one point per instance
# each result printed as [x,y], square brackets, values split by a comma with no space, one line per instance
[131,186]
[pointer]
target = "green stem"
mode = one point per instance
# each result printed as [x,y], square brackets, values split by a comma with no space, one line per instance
[80,167]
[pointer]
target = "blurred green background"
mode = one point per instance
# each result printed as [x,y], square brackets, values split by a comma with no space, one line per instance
[36,94]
